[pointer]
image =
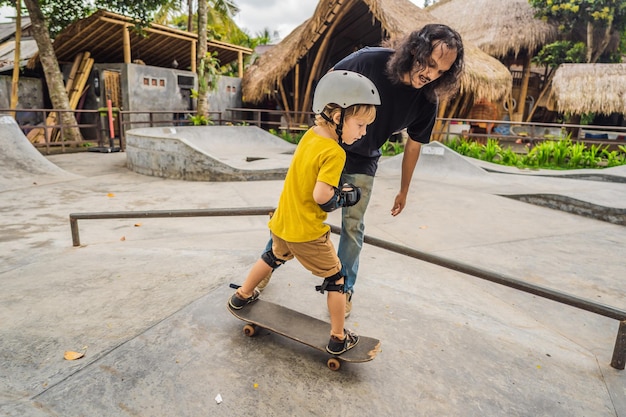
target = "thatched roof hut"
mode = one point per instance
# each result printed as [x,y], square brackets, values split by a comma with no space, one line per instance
[507,30]
[109,38]
[339,27]
[500,28]
[586,88]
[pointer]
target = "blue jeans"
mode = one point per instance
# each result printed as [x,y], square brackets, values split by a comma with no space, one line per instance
[353,229]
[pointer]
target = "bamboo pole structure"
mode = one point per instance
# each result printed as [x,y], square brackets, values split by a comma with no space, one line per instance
[15,79]
[296,89]
[240,63]
[194,45]
[126,44]
[521,101]
[316,67]
[439,124]
[80,79]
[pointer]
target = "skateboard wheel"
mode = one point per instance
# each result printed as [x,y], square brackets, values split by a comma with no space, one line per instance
[249,330]
[333,364]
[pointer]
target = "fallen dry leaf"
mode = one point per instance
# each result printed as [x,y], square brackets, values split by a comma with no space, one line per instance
[123,238]
[72,356]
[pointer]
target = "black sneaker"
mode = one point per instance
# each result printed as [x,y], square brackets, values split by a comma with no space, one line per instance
[337,347]
[237,303]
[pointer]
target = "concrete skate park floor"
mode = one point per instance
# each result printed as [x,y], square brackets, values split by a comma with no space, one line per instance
[145,300]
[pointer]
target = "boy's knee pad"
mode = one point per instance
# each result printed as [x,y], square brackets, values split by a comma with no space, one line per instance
[270,259]
[329,284]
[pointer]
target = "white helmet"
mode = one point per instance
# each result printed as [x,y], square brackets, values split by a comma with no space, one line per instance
[344,88]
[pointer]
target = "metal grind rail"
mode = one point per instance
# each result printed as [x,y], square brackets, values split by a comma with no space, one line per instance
[618,360]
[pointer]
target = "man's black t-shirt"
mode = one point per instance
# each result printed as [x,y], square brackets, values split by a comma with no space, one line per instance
[402,106]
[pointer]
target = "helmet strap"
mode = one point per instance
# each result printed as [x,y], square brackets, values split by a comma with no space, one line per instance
[325,117]
[338,127]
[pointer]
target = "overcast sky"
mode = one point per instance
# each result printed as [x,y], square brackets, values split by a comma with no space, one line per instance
[277,15]
[254,16]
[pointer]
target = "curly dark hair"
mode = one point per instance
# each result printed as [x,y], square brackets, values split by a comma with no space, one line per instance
[413,52]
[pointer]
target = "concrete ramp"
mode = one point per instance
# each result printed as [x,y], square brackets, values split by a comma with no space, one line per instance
[437,162]
[21,165]
[208,153]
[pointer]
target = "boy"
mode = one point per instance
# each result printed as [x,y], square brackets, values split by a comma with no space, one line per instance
[344,105]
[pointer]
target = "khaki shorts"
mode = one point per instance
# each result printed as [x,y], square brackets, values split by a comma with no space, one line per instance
[318,256]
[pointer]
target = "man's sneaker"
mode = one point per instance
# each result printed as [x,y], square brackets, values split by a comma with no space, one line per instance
[348,304]
[337,347]
[265,281]
[237,303]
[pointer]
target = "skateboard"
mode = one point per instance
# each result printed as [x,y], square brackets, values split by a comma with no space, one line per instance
[301,328]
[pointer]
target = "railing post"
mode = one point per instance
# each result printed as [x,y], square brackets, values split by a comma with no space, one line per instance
[619,353]
[74,230]
[121,127]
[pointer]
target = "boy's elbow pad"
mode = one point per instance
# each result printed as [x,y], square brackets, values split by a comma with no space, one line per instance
[332,204]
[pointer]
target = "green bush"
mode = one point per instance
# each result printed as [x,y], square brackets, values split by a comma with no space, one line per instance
[288,136]
[392,148]
[550,154]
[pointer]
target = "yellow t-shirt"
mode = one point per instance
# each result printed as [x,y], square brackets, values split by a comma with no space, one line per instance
[298,218]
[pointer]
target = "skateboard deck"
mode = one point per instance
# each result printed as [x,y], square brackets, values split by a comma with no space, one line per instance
[301,328]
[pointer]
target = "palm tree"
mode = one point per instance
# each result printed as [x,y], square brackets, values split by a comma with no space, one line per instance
[214,14]
[203,105]
[219,12]
[172,9]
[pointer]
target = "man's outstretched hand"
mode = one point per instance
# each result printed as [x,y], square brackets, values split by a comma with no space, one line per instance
[398,204]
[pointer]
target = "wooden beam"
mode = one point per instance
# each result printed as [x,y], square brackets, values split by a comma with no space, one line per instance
[15,78]
[521,101]
[296,90]
[69,84]
[126,44]
[169,35]
[181,35]
[455,105]
[80,80]
[240,63]
[230,47]
[284,97]
[316,67]
[438,124]
[194,45]
[67,47]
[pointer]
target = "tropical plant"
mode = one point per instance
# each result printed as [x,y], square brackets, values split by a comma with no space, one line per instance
[288,136]
[560,151]
[491,150]
[559,154]
[200,120]
[509,157]
[560,52]
[576,154]
[209,72]
[201,57]
[613,158]
[592,22]
[592,156]
[392,148]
